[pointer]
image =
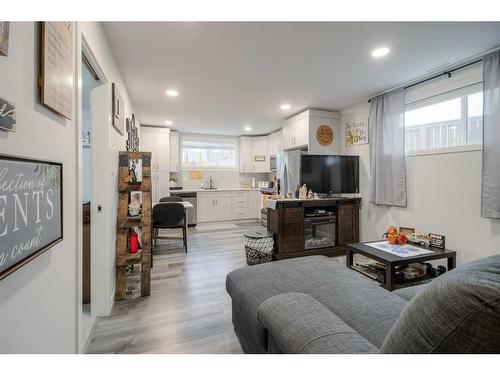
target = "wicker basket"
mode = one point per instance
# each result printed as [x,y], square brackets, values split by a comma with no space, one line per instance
[259,247]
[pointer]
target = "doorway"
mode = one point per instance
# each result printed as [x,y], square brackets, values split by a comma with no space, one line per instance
[90,80]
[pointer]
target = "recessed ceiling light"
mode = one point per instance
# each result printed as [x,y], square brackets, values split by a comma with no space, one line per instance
[248,128]
[380,52]
[172,93]
[284,107]
[168,122]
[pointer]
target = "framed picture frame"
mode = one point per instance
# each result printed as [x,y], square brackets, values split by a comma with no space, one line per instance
[31,213]
[7,115]
[56,67]
[4,38]
[118,110]
[356,132]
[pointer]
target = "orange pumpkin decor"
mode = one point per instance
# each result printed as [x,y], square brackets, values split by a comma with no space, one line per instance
[396,238]
[392,235]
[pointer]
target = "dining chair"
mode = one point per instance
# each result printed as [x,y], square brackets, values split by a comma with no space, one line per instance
[171,199]
[169,215]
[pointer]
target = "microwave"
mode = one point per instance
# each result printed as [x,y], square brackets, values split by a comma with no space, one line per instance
[272,161]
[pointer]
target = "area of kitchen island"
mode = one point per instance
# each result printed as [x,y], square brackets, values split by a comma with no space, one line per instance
[304,227]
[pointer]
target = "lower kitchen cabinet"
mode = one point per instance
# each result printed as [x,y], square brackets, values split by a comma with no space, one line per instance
[223,206]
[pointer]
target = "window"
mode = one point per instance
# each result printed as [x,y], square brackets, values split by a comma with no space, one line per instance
[445,113]
[208,152]
[448,123]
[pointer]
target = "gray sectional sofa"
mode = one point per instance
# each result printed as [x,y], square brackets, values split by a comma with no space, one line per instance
[317,305]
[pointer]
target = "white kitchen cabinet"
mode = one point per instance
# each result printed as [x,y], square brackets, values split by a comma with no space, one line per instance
[224,206]
[260,147]
[296,133]
[214,206]
[174,152]
[223,209]
[240,203]
[205,204]
[254,198]
[156,141]
[246,155]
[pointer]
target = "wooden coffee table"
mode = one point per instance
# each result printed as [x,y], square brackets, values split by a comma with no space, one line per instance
[392,261]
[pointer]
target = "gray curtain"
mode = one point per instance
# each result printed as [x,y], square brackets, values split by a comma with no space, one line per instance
[387,150]
[490,197]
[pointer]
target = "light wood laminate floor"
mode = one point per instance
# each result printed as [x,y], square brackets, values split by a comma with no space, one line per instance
[189,310]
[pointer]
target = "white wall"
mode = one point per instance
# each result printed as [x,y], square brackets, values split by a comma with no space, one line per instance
[317,119]
[96,39]
[38,301]
[444,196]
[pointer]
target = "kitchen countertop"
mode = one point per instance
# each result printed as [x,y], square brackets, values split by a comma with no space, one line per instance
[212,190]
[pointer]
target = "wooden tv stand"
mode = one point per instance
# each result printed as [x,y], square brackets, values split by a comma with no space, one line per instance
[294,224]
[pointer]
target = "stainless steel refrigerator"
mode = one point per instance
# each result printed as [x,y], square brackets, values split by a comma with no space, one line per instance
[288,170]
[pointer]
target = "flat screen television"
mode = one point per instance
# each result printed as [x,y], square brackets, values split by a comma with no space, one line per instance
[337,174]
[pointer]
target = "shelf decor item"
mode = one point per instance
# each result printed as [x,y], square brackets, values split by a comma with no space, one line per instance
[135,205]
[7,115]
[56,67]
[4,38]
[31,210]
[133,134]
[134,216]
[118,118]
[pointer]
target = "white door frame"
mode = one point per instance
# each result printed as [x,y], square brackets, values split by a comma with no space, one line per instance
[82,47]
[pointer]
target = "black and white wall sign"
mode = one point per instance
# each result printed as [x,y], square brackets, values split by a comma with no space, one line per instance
[30,210]
[7,115]
[437,240]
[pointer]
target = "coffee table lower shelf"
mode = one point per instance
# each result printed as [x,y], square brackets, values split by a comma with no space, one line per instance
[391,261]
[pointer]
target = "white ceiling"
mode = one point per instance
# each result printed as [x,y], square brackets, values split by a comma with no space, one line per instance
[234,74]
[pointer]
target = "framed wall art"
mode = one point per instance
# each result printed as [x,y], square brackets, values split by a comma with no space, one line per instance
[4,38]
[356,132]
[7,115]
[118,110]
[324,135]
[31,210]
[56,67]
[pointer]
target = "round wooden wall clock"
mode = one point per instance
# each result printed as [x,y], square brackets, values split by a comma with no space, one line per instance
[324,135]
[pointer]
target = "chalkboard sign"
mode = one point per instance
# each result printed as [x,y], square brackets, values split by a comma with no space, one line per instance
[31,213]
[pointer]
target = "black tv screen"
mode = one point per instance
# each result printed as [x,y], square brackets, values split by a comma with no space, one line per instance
[330,173]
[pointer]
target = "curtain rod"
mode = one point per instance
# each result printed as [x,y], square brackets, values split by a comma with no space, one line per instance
[458,66]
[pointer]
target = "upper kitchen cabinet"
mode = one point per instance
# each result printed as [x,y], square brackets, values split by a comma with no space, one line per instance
[246,155]
[296,132]
[254,154]
[261,154]
[157,141]
[174,152]
[301,131]
[275,142]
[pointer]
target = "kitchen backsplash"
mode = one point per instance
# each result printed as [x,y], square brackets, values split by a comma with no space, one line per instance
[220,178]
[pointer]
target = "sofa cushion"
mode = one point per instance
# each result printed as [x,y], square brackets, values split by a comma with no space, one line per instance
[409,292]
[298,323]
[459,312]
[361,304]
